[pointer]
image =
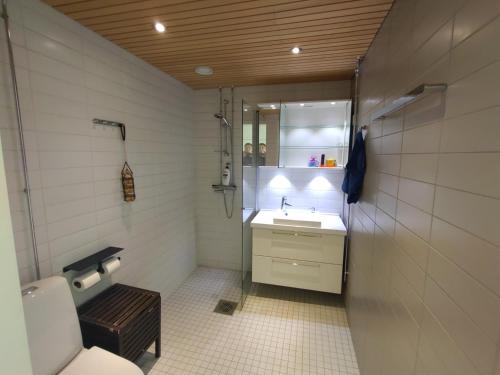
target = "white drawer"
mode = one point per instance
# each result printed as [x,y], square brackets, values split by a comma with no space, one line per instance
[297,274]
[291,244]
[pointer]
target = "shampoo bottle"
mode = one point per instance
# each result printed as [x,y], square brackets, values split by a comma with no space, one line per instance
[226,175]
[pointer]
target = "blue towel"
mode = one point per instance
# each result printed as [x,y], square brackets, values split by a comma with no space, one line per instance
[355,170]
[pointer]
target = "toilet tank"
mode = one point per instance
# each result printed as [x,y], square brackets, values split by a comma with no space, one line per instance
[54,335]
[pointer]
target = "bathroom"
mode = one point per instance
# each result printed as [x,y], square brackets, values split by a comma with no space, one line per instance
[198,99]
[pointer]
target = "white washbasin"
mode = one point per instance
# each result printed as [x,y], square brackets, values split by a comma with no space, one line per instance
[298,218]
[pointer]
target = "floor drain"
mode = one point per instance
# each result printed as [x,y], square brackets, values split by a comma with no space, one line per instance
[225,307]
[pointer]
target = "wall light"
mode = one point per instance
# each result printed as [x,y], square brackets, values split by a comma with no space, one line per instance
[160,27]
[280,182]
[319,183]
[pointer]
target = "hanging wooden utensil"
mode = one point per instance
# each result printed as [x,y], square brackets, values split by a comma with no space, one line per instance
[128,183]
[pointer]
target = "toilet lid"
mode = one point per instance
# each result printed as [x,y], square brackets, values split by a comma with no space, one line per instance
[97,361]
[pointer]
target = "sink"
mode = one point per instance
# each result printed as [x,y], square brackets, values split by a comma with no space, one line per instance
[298,218]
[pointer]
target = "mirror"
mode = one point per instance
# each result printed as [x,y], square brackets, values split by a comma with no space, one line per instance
[263,148]
[269,133]
[314,134]
[297,134]
[248,134]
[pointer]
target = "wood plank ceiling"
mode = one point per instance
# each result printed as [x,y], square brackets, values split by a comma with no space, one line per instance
[245,42]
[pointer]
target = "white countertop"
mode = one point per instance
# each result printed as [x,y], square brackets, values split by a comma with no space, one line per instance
[331,223]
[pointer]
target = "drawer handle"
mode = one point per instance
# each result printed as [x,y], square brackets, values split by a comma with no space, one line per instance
[310,235]
[295,264]
[286,234]
[296,234]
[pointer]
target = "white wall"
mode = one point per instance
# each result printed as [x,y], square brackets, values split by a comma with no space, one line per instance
[218,238]
[424,286]
[304,188]
[14,350]
[67,76]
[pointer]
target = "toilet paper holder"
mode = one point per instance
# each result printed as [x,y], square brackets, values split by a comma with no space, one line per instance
[100,267]
[97,258]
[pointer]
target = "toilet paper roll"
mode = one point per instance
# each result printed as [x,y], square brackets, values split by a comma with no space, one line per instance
[85,281]
[111,265]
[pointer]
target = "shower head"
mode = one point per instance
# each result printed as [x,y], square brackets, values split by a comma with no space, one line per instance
[220,116]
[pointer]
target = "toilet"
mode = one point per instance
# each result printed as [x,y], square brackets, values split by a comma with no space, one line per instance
[54,336]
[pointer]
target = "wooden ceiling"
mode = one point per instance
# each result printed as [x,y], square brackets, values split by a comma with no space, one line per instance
[245,42]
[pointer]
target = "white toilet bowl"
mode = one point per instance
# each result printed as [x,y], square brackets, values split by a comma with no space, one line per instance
[54,335]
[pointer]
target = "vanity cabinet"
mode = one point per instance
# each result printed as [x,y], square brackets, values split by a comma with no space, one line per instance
[298,258]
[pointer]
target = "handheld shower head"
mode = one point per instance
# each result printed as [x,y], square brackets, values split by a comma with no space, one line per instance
[220,116]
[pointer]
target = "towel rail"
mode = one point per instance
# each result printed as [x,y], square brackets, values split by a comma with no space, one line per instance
[410,97]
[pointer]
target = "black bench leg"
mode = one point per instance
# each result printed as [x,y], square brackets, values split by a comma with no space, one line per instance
[158,347]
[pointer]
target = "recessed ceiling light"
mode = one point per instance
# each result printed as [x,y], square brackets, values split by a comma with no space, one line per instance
[296,50]
[160,27]
[333,103]
[246,109]
[204,70]
[302,104]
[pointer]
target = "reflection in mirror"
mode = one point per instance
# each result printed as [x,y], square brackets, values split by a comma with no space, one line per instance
[263,149]
[269,130]
[248,132]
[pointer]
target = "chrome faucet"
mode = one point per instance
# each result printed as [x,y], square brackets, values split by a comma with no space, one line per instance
[284,205]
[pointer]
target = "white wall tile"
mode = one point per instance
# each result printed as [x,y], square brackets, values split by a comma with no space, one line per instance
[476,256]
[447,186]
[422,167]
[480,304]
[439,353]
[424,139]
[75,166]
[478,348]
[414,246]
[418,194]
[388,184]
[470,172]
[477,91]
[472,16]
[476,214]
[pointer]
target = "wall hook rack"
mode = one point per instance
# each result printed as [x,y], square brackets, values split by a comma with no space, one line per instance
[98,121]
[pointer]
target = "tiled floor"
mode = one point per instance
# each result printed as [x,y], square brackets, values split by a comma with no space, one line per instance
[279,331]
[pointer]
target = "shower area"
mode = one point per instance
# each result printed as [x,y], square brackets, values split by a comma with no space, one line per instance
[226,184]
[236,194]
[267,147]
